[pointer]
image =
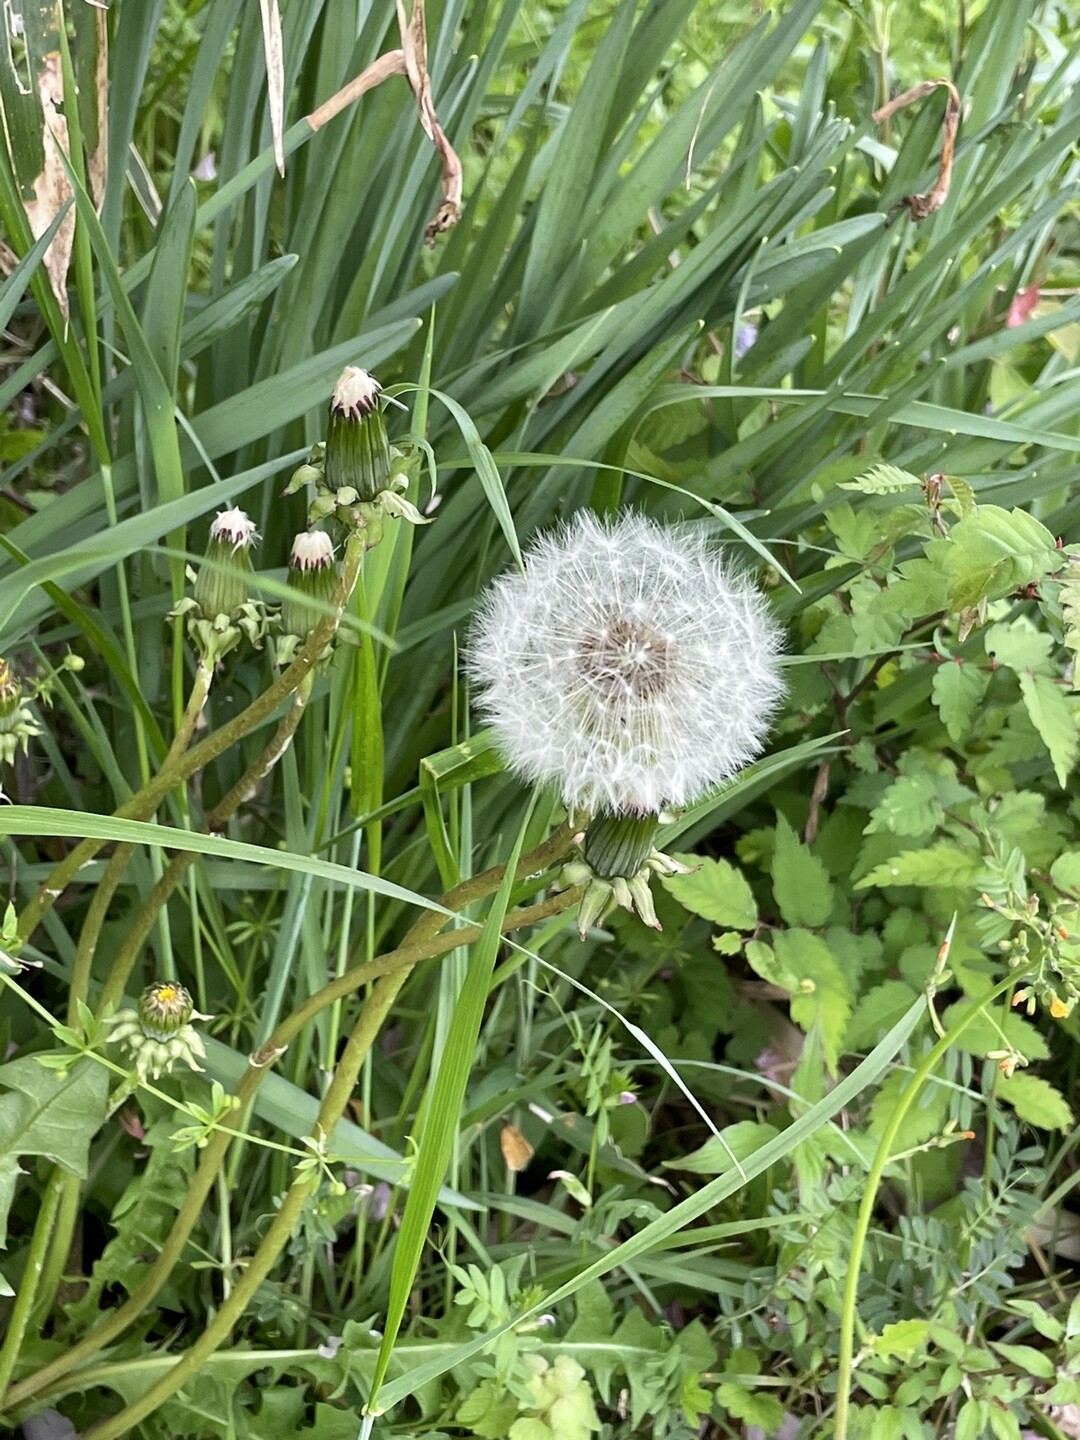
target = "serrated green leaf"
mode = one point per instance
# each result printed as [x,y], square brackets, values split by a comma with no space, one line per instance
[1006,1028]
[806,967]
[716,891]
[1070,612]
[993,552]
[1065,870]
[1018,645]
[878,1009]
[909,807]
[957,692]
[10,1170]
[1027,1359]
[752,1406]
[1036,1101]
[1054,716]
[902,1339]
[1042,1320]
[46,1113]
[882,480]
[944,865]
[801,884]
[924,1120]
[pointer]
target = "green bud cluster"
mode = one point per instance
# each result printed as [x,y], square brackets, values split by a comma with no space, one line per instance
[560,1402]
[17,724]
[220,613]
[1047,947]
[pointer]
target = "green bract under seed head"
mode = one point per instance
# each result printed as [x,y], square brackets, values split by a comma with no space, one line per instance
[159,1033]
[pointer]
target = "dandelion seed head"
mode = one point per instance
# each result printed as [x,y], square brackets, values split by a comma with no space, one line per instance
[631,665]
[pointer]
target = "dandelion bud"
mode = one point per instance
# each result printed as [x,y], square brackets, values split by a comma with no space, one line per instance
[219,614]
[11,692]
[17,724]
[159,1033]
[222,585]
[357,450]
[164,1009]
[312,578]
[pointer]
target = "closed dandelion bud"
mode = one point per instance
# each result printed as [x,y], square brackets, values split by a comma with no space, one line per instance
[164,1009]
[312,582]
[11,692]
[312,576]
[17,724]
[219,614]
[159,1034]
[357,450]
[221,587]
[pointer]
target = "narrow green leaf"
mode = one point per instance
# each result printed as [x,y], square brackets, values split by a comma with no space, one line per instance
[443,1113]
[45,820]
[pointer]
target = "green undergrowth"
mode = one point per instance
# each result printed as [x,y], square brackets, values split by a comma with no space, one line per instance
[804,1161]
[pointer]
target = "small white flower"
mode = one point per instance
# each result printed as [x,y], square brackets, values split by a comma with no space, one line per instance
[630,665]
[234,528]
[312,550]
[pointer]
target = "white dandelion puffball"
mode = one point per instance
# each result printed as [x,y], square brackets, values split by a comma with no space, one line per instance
[629,665]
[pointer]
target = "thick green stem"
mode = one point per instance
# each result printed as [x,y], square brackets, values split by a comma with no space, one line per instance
[59,1245]
[422,942]
[35,1261]
[907,1098]
[143,804]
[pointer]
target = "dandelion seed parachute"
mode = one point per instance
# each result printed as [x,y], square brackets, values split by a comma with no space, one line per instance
[630,665]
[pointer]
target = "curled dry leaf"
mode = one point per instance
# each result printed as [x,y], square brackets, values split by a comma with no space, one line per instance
[921,207]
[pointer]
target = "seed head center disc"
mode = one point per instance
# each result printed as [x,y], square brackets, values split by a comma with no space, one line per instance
[624,658]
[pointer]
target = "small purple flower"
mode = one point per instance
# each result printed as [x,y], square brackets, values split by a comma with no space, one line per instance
[745,338]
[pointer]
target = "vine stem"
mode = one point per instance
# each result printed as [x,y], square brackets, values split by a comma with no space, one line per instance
[422,942]
[143,804]
[907,1097]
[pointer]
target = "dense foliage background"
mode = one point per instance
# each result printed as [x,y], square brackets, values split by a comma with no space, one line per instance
[804,1163]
